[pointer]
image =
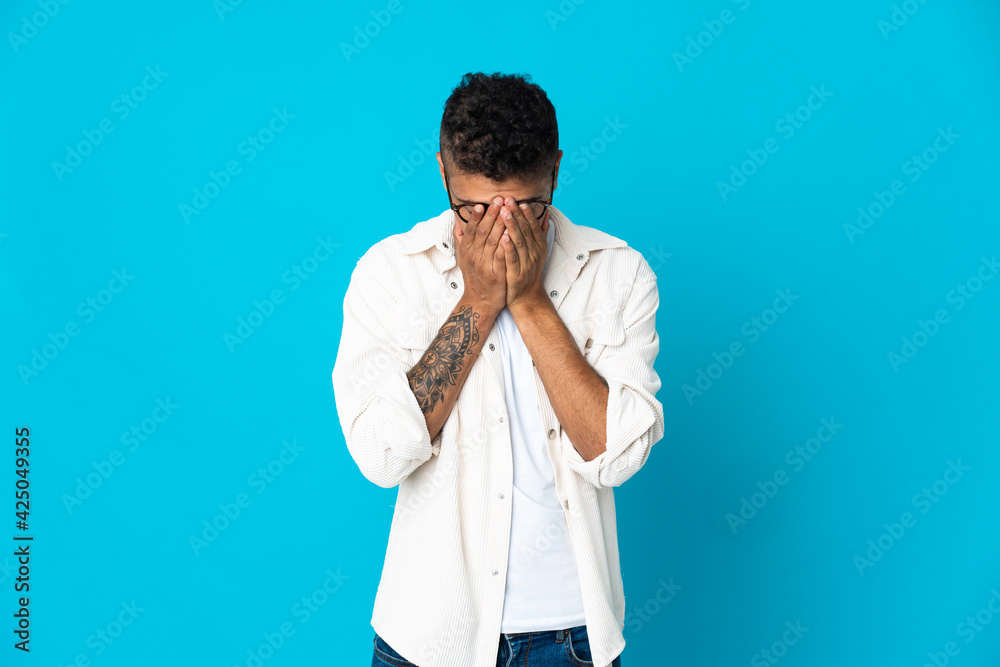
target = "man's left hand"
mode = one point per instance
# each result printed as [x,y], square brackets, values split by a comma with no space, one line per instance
[525,248]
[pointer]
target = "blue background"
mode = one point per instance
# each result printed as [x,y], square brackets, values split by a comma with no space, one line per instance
[719,260]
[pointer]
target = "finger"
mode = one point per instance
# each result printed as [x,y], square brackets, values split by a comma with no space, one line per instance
[533,240]
[468,228]
[462,227]
[528,223]
[500,262]
[493,241]
[468,235]
[512,257]
[516,240]
[523,228]
[485,227]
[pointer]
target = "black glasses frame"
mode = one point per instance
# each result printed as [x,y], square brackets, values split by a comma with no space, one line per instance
[545,203]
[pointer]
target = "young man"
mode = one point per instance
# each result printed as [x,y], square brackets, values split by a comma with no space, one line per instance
[496,363]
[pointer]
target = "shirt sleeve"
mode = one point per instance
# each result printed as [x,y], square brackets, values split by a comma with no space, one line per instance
[635,417]
[384,427]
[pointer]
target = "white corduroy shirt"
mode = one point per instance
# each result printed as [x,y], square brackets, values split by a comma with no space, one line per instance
[440,599]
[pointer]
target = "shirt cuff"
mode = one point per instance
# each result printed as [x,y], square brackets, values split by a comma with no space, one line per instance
[633,427]
[403,426]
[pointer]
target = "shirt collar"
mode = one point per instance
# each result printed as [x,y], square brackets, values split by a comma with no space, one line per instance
[576,241]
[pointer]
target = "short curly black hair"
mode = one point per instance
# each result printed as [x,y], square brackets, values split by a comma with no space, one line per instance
[500,126]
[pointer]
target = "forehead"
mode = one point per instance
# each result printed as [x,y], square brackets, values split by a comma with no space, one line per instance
[478,188]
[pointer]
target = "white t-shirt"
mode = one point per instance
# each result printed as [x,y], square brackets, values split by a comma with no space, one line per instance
[543,584]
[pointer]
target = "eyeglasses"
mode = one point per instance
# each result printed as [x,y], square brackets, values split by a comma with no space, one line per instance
[536,206]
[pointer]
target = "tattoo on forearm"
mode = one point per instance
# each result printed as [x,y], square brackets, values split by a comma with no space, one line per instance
[442,363]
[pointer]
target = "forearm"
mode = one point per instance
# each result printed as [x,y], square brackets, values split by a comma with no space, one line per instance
[438,377]
[579,396]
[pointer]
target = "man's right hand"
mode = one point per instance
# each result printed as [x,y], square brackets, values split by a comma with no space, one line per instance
[481,257]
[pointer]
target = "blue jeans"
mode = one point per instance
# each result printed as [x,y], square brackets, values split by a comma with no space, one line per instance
[552,648]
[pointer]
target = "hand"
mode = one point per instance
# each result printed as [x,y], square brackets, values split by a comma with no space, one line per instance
[481,258]
[525,249]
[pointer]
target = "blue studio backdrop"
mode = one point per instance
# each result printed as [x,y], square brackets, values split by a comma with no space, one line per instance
[187,186]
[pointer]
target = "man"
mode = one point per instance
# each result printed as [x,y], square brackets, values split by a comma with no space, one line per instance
[497,364]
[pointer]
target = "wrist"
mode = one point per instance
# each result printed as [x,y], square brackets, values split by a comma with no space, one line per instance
[527,304]
[487,310]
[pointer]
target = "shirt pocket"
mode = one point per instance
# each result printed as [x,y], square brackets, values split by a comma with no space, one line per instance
[597,332]
[415,329]
[413,333]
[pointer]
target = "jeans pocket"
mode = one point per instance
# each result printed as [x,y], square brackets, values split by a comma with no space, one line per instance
[386,655]
[578,646]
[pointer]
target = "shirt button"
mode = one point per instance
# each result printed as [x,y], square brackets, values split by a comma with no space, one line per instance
[578,256]
[500,495]
[496,572]
[552,433]
[454,285]
[491,346]
[501,420]
[446,245]
[553,294]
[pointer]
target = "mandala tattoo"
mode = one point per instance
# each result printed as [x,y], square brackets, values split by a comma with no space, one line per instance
[442,362]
